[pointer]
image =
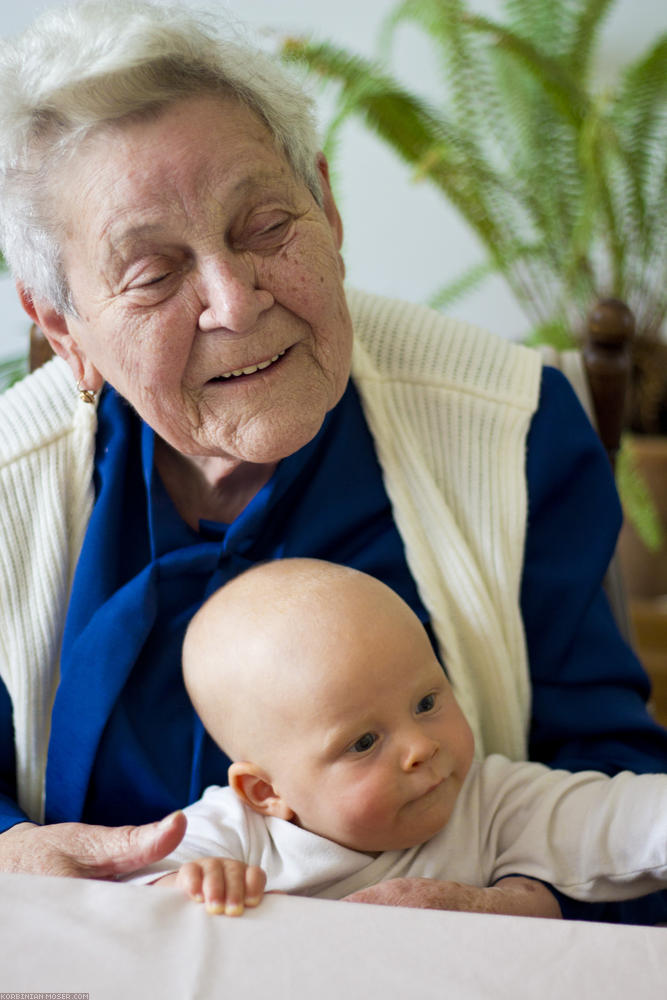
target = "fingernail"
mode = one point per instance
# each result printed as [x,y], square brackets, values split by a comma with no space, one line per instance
[167,820]
[215,908]
[233,909]
[253,900]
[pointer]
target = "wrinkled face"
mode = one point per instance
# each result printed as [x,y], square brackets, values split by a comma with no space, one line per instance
[375,750]
[207,282]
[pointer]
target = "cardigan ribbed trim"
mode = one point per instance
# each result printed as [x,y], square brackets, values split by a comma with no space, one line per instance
[46,460]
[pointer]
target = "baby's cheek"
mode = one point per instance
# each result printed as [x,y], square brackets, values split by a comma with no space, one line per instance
[368,807]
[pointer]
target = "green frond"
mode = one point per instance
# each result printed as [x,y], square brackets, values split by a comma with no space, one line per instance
[557,333]
[569,98]
[446,296]
[435,148]
[643,85]
[545,23]
[472,97]
[409,123]
[443,23]
[638,504]
[11,370]
[588,17]
[639,115]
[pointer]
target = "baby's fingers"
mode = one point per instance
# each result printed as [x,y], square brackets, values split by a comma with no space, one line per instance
[255,881]
[225,886]
[190,879]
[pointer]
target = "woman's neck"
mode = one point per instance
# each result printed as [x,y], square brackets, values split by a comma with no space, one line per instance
[210,489]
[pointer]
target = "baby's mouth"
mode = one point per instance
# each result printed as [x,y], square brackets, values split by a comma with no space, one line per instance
[250,369]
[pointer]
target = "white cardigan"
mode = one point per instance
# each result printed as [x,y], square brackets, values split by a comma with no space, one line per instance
[449,407]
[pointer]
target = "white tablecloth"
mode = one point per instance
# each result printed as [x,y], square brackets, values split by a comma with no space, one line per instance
[115,942]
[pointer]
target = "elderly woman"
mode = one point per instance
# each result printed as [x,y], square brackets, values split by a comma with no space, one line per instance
[218,400]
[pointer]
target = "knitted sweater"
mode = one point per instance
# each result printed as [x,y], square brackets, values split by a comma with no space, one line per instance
[449,407]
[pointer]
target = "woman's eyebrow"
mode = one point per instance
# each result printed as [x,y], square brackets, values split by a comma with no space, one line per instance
[120,247]
[269,182]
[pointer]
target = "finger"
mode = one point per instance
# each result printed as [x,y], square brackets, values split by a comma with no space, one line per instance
[118,850]
[190,878]
[255,882]
[163,837]
[81,850]
[215,886]
[233,900]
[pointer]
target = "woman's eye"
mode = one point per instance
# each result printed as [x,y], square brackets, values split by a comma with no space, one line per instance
[149,282]
[271,234]
[149,279]
[364,743]
[276,227]
[426,704]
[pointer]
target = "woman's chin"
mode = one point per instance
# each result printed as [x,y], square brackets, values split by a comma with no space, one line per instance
[281,439]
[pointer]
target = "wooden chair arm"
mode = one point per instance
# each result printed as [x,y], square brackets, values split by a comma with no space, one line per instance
[606,353]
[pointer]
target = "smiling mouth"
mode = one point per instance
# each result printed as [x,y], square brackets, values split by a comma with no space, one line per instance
[429,791]
[250,369]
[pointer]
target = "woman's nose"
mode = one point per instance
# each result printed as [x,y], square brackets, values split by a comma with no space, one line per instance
[231,298]
[419,748]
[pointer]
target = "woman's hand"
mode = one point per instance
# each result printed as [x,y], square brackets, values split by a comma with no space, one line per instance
[79,850]
[223,885]
[514,896]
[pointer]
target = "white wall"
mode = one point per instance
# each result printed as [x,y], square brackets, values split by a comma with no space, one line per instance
[401,238]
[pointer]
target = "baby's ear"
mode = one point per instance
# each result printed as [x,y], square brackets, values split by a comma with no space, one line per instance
[252,785]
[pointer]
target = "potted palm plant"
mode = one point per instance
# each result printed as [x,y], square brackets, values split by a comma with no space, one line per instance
[563,181]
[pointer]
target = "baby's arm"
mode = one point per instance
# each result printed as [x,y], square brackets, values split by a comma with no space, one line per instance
[513,896]
[222,884]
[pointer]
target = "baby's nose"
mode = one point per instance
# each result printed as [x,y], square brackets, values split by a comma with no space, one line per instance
[419,749]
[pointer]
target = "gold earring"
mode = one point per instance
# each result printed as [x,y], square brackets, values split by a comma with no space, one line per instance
[86,395]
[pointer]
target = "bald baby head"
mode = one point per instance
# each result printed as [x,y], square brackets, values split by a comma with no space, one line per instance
[259,647]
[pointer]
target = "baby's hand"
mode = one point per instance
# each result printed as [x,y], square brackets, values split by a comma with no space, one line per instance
[223,885]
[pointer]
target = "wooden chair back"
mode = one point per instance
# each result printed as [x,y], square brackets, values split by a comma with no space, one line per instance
[606,354]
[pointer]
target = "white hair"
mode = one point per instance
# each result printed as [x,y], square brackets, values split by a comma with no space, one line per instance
[81,68]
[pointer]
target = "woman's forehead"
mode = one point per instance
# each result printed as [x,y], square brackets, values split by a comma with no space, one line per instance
[130,183]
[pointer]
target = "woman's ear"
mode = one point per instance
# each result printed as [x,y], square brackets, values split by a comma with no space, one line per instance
[56,329]
[252,785]
[329,202]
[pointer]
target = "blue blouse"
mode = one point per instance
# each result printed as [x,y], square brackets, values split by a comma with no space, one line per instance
[127,747]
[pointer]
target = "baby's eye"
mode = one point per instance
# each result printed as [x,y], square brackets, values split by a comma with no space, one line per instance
[426,704]
[364,743]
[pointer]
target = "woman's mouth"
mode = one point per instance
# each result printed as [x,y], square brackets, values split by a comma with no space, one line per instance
[251,369]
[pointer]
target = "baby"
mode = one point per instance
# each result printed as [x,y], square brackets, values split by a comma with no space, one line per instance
[353,762]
